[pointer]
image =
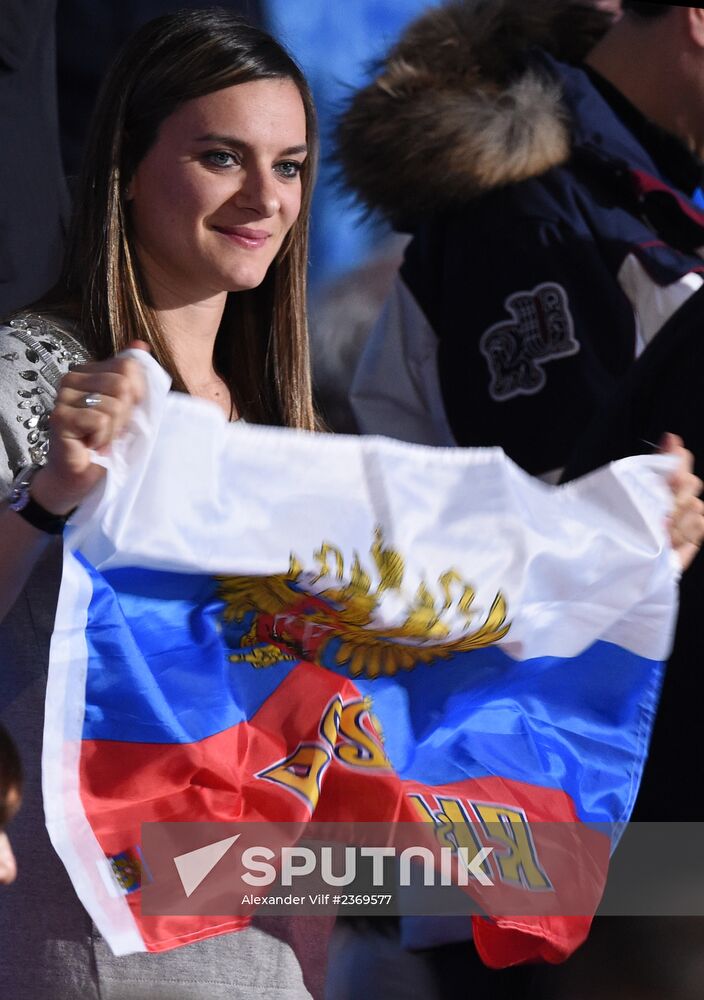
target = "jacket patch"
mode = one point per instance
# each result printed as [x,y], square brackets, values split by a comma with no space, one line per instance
[540,329]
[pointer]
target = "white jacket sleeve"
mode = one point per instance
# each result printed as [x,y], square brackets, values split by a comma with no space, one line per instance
[396,390]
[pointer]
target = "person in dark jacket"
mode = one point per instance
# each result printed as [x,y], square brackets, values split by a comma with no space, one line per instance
[544,159]
[547,181]
[34,202]
[535,278]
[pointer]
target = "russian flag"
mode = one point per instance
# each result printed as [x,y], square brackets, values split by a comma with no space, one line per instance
[264,624]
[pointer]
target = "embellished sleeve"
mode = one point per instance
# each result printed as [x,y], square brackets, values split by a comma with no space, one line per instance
[34,355]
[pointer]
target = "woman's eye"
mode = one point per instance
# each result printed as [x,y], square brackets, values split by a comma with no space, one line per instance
[220,158]
[289,169]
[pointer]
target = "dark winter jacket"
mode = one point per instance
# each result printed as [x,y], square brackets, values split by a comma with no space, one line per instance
[553,231]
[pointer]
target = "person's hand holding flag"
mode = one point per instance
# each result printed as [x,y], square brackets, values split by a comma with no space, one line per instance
[686,525]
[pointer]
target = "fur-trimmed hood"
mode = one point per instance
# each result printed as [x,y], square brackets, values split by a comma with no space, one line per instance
[457,109]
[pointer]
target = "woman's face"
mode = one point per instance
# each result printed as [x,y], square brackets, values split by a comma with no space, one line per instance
[215,196]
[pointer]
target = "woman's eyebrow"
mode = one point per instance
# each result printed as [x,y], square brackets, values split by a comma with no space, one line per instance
[232,140]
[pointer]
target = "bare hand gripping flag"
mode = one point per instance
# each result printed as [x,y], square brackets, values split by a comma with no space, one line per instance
[260,624]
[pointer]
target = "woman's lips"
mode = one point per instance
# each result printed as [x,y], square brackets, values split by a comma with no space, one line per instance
[251,239]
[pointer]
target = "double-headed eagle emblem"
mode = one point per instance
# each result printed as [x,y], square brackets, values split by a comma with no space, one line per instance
[298,615]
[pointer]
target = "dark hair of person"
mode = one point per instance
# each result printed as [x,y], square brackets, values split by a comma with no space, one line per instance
[644,9]
[261,350]
[10,772]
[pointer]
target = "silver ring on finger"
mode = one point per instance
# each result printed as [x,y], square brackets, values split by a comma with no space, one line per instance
[91,400]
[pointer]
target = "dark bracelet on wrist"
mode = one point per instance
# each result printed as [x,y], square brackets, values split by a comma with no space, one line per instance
[27,507]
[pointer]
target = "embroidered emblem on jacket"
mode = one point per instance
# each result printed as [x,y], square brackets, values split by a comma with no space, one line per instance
[540,329]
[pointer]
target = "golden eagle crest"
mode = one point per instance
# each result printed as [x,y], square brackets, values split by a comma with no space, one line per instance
[293,620]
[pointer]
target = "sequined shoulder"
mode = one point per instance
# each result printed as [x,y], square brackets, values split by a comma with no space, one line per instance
[36,352]
[49,346]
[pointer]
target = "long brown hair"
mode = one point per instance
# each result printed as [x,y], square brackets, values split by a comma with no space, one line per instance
[261,349]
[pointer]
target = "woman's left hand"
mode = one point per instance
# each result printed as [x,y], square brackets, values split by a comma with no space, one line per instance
[686,522]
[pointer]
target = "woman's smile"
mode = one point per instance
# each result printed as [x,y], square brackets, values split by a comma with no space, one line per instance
[252,239]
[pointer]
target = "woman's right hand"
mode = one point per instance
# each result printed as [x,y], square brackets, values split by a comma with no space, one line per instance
[76,429]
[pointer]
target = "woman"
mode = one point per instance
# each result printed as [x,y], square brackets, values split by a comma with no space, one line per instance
[190,238]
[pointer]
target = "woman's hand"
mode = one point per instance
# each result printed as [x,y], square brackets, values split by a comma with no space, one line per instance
[93,405]
[687,519]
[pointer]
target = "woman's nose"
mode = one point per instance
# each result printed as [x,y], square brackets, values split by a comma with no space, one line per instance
[259,192]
